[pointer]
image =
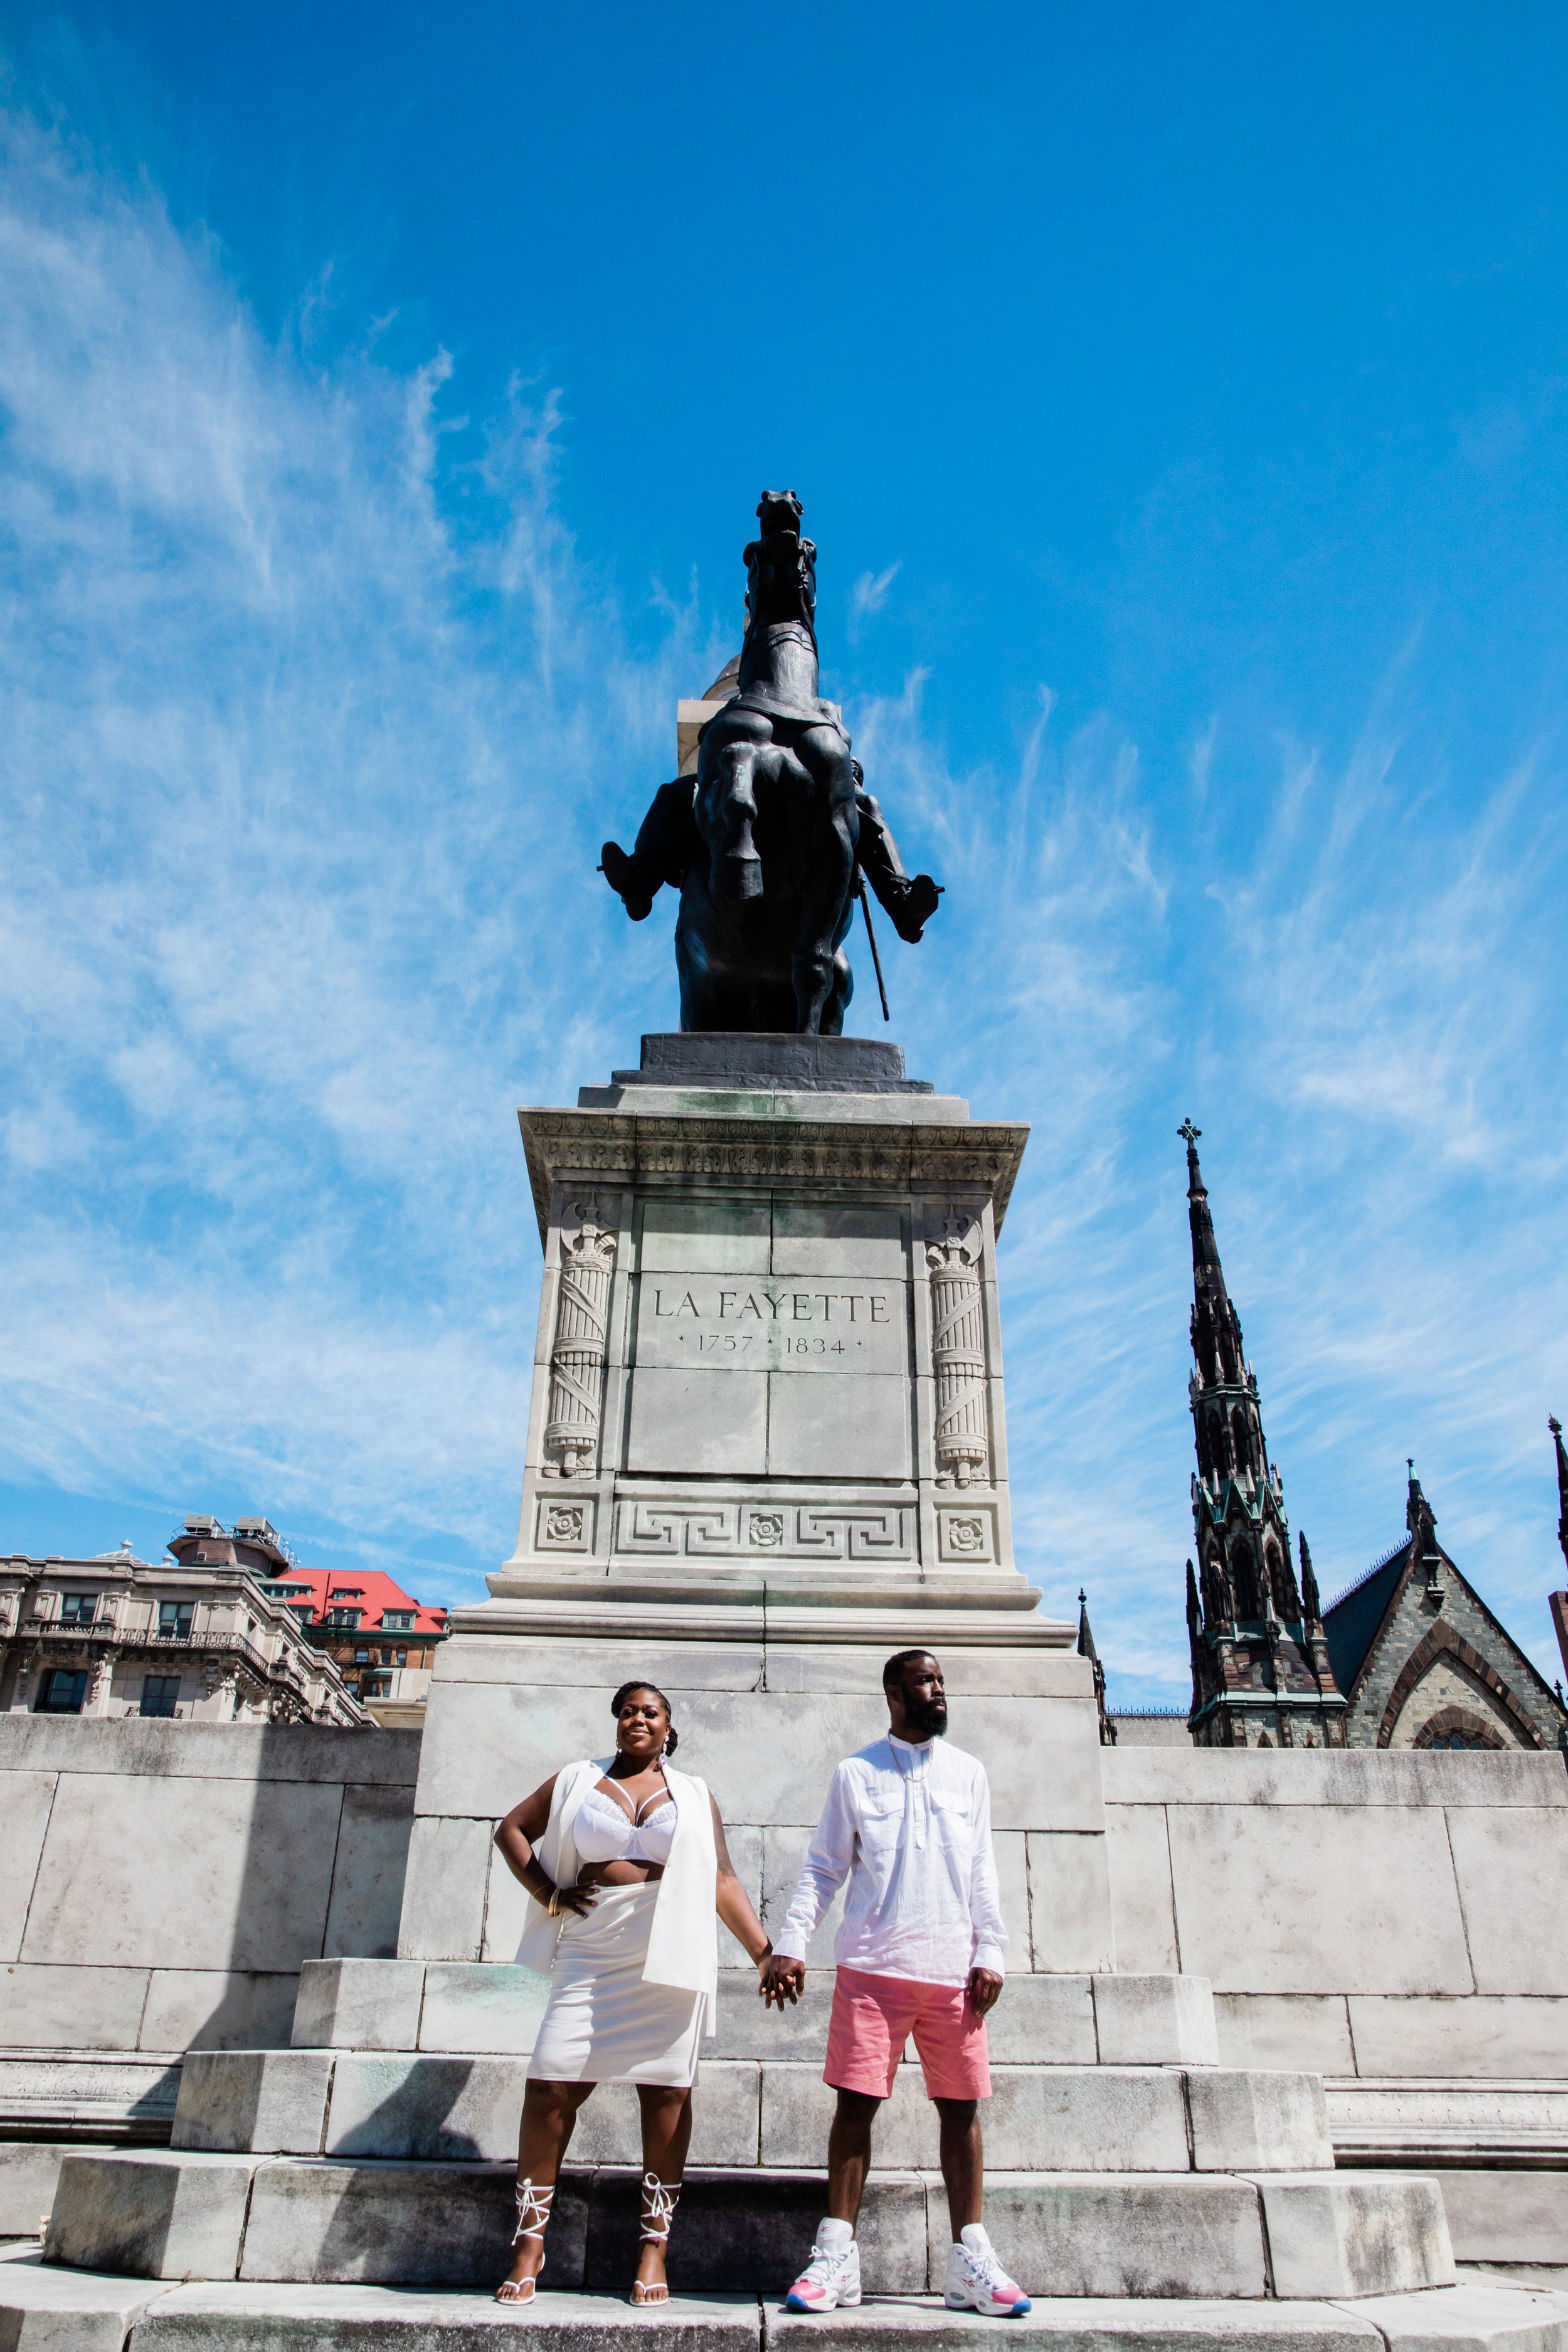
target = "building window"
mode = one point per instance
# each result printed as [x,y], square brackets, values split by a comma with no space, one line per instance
[397,1621]
[362,1657]
[79,1608]
[60,1692]
[159,1693]
[174,1620]
[403,1657]
[347,1618]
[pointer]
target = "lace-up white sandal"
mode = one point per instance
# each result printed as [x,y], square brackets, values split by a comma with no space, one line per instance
[659,2199]
[533,2218]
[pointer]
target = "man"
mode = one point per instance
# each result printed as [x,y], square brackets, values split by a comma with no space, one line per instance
[920,1951]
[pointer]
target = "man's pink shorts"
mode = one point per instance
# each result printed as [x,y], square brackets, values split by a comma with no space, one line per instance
[873,2017]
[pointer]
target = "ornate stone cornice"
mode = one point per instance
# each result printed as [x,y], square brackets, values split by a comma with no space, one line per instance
[567,1145]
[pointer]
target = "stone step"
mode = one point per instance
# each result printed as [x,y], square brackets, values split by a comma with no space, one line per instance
[490,2009]
[462,2108]
[45,2309]
[165,2214]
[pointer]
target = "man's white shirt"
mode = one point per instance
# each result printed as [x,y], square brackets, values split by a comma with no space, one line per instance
[909,1827]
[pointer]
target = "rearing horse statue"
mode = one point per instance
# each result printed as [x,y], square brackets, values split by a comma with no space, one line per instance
[763,842]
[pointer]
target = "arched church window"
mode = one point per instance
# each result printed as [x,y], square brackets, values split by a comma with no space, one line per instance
[1238,1435]
[1243,1584]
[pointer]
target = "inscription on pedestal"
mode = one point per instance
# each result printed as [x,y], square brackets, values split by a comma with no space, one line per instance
[700,1321]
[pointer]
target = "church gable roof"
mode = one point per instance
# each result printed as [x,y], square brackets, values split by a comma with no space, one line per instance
[1351,1624]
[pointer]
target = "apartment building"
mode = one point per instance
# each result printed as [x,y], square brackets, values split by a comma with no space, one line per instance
[194,1641]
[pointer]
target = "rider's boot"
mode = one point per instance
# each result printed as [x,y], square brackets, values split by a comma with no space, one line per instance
[630,879]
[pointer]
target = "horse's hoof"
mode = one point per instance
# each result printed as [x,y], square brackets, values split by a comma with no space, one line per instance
[738,876]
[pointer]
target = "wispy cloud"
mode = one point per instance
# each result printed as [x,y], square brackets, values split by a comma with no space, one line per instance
[867,597]
[315,716]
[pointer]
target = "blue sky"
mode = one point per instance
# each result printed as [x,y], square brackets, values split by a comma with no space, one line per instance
[1178,397]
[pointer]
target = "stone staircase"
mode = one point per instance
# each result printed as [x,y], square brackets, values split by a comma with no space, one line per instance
[1121,2159]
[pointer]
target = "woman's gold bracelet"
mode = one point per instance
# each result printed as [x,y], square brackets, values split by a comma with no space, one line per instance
[553,1906]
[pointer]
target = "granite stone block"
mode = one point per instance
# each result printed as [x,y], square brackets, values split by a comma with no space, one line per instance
[1355,1777]
[1106,2233]
[472,2006]
[1289,2030]
[1154,2020]
[1069,1903]
[728,2237]
[26,1798]
[1506,2217]
[213,2009]
[1051,2118]
[1512,1868]
[1482,2035]
[508,1904]
[1403,1933]
[1142,1900]
[151,2213]
[1095,2324]
[1252,2121]
[268,2102]
[358,2005]
[444,1893]
[1354,2234]
[1474,2317]
[50,2007]
[29,2169]
[427,2109]
[256,1865]
[165,1750]
[405,2224]
[368,1873]
[46,2310]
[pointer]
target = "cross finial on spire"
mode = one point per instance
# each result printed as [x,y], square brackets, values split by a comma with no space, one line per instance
[1189,1131]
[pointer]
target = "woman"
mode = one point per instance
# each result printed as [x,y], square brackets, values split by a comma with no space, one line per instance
[628,1862]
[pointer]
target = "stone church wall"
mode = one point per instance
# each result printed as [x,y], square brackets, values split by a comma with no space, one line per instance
[1455,1677]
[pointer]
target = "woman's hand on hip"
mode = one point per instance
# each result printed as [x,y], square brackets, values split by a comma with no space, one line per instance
[578,1900]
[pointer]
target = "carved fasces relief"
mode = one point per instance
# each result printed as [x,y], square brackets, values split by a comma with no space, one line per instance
[958,1352]
[577,1353]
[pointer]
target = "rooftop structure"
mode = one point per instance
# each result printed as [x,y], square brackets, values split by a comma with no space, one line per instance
[197,1639]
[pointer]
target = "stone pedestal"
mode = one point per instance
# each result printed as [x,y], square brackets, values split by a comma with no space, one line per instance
[768,1447]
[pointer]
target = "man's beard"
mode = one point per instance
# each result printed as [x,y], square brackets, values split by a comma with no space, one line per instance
[927,1717]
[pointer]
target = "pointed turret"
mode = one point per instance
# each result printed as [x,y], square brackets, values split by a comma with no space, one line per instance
[1086,1649]
[1260,1658]
[1311,1608]
[1555,1426]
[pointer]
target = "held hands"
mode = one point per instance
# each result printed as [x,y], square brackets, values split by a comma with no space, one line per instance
[984,1988]
[781,1980]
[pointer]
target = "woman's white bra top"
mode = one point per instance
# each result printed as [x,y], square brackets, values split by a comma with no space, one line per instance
[604,1832]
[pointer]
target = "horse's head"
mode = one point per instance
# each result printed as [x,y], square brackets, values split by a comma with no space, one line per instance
[780,567]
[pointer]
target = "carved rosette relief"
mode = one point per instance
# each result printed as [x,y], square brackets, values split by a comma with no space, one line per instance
[958,1352]
[577,1356]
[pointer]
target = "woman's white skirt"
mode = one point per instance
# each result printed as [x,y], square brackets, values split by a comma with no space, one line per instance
[603,2023]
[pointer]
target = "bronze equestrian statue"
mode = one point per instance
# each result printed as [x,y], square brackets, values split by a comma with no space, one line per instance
[766,842]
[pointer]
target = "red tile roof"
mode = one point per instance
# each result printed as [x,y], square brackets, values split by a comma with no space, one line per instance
[366,1589]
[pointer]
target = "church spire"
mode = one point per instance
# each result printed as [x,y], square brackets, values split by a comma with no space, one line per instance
[1260,1664]
[1555,1426]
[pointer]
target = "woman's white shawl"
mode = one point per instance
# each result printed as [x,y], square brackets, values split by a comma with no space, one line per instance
[683,1944]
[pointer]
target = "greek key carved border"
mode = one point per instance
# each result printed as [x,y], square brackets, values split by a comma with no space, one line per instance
[764,1530]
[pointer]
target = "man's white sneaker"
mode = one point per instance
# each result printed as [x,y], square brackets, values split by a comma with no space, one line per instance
[977,2281]
[832,2277]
